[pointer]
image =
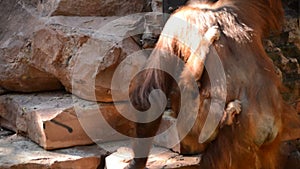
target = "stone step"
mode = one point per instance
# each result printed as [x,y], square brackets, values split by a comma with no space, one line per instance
[159,158]
[20,153]
[51,119]
[58,120]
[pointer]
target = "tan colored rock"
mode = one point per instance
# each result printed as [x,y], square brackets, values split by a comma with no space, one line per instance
[292,28]
[159,158]
[157,6]
[285,51]
[91,7]
[153,27]
[55,120]
[41,53]
[24,78]
[52,51]
[16,74]
[20,153]
[154,22]
[85,52]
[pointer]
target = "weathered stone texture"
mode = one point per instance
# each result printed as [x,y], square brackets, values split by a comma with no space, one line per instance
[20,153]
[43,53]
[91,7]
[159,158]
[16,74]
[55,120]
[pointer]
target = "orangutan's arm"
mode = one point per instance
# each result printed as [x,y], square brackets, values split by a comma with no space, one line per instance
[195,64]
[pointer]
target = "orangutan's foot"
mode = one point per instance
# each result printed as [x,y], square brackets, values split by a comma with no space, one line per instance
[233,108]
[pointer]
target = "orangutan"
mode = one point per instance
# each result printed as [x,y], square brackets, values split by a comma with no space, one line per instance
[216,38]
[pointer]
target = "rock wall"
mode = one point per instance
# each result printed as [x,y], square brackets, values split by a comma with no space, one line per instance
[50,45]
[90,7]
[42,53]
[284,50]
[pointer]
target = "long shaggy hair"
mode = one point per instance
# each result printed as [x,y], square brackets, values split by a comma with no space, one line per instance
[253,141]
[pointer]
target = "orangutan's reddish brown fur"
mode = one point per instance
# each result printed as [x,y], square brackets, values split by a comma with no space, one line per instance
[253,140]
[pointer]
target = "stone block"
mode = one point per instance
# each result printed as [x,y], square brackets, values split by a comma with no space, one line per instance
[159,158]
[42,53]
[15,73]
[20,153]
[90,7]
[56,120]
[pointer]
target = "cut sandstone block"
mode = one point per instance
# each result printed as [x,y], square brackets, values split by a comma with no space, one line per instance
[51,120]
[83,53]
[159,158]
[57,120]
[20,153]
